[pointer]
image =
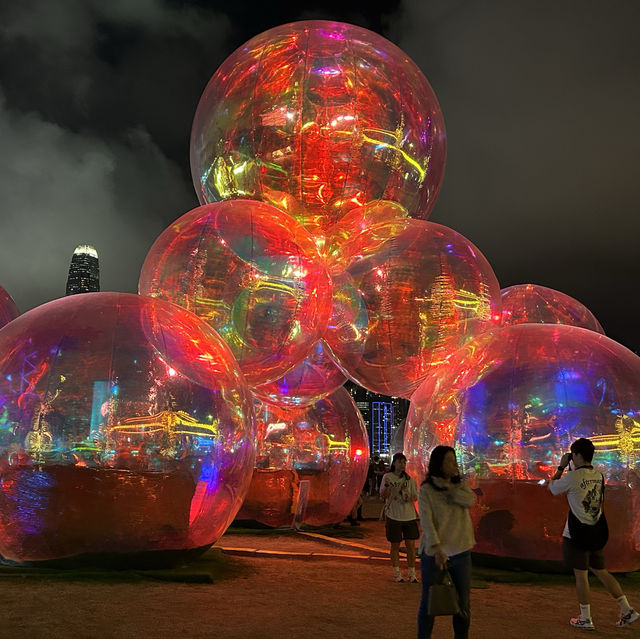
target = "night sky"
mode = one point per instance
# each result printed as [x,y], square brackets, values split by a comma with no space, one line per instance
[541,101]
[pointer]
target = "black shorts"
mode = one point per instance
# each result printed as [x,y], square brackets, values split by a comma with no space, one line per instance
[399,530]
[581,559]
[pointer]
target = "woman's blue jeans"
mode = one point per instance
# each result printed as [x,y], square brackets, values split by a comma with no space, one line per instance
[460,570]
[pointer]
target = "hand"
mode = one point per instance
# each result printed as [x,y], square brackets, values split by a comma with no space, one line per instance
[564,461]
[441,558]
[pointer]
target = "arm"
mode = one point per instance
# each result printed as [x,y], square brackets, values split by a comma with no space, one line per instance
[559,484]
[413,490]
[384,488]
[429,530]
[462,495]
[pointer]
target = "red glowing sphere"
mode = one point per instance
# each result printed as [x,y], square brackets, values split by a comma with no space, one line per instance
[511,402]
[126,426]
[311,463]
[319,118]
[316,377]
[8,308]
[534,304]
[401,310]
[253,273]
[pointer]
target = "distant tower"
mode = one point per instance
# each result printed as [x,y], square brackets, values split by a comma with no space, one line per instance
[84,271]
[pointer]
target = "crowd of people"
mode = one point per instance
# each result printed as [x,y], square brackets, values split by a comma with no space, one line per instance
[442,525]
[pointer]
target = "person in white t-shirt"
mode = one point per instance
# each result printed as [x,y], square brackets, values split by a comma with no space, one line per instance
[585,491]
[399,491]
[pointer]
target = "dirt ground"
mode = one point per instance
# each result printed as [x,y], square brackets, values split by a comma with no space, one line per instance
[272,597]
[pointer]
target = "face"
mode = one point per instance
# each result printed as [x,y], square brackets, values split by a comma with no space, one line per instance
[400,465]
[450,465]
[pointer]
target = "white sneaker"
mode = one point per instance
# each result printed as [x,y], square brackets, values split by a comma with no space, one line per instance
[627,619]
[398,578]
[584,624]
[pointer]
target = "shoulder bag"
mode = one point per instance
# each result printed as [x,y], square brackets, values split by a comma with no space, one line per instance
[443,596]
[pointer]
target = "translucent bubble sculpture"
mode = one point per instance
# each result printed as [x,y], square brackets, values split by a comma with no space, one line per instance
[251,272]
[125,427]
[8,308]
[362,232]
[511,402]
[316,377]
[319,118]
[311,461]
[400,311]
[531,303]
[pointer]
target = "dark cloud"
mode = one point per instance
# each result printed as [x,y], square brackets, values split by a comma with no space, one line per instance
[540,100]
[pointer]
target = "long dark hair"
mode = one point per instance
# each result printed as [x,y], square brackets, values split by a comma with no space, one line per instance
[436,459]
[392,468]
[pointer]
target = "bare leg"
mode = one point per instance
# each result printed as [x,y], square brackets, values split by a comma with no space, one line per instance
[609,582]
[582,586]
[395,554]
[411,552]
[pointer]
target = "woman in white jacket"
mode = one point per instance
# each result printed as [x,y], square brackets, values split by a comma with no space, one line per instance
[447,536]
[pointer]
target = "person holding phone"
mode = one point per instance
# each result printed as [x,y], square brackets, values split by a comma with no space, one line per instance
[447,537]
[399,491]
[585,492]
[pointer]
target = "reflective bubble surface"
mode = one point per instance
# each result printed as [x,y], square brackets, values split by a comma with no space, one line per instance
[125,426]
[8,308]
[316,377]
[312,461]
[401,310]
[531,303]
[319,118]
[253,273]
[511,402]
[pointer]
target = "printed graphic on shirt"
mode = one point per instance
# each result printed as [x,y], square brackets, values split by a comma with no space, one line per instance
[591,501]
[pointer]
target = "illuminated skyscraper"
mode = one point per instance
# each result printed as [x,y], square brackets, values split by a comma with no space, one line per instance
[84,271]
[382,416]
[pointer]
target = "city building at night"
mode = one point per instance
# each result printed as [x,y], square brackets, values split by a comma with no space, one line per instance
[84,271]
[382,416]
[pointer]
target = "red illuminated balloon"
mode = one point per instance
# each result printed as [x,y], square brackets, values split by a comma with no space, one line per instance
[319,118]
[126,426]
[362,232]
[401,310]
[531,303]
[311,460]
[253,273]
[8,308]
[512,401]
[316,377]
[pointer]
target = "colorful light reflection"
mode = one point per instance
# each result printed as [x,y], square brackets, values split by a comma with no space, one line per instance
[324,444]
[511,402]
[319,118]
[127,427]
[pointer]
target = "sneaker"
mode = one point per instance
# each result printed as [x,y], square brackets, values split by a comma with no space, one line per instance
[398,579]
[630,617]
[579,622]
[414,580]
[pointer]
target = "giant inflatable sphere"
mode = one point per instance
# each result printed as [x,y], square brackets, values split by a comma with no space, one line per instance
[311,462]
[531,303]
[253,273]
[401,310]
[314,378]
[8,308]
[126,427]
[319,118]
[511,402]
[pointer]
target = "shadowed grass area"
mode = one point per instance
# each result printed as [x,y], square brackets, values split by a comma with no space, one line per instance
[211,567]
